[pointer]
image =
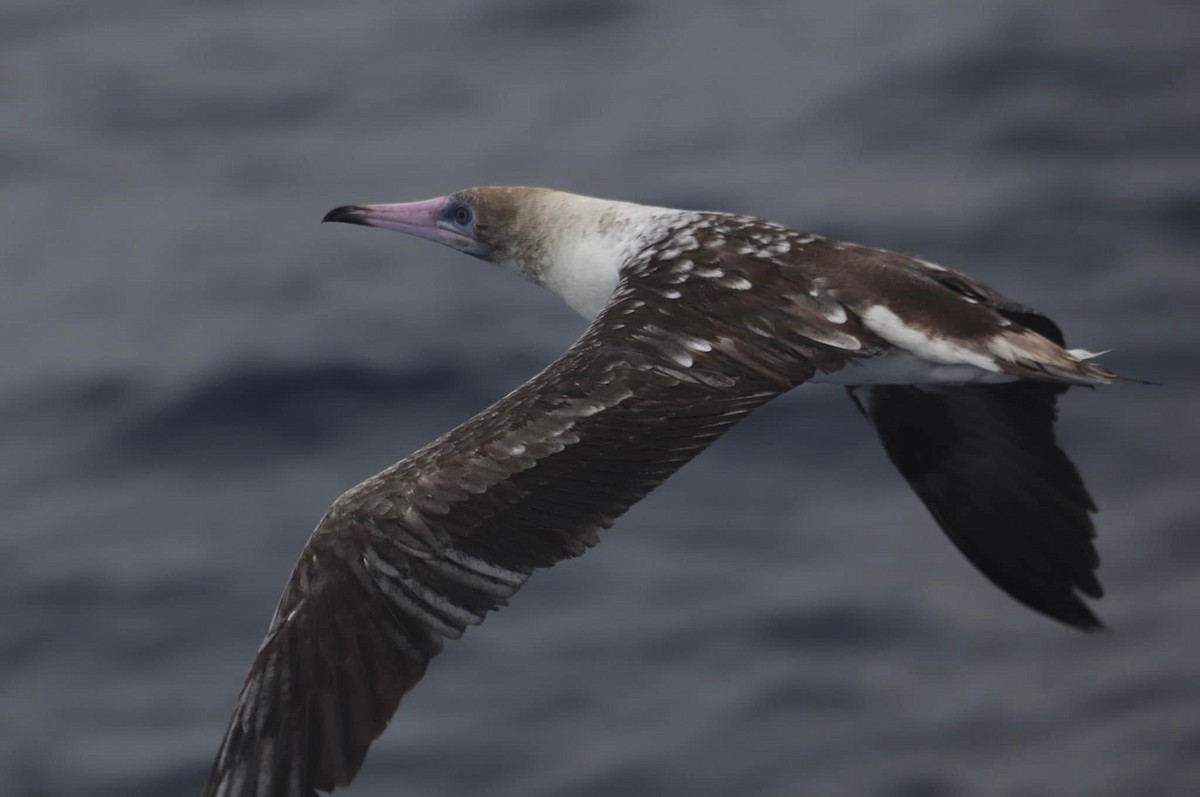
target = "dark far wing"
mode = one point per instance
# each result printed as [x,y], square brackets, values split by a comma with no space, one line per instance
[415,555]
[984,460]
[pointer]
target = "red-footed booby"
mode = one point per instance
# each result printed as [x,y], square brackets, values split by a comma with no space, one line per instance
[698,319]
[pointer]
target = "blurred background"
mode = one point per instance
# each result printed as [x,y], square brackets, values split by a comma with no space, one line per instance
[193,369]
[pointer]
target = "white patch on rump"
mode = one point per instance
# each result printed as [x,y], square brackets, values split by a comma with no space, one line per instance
[903,368]
[920,359]
[889,326]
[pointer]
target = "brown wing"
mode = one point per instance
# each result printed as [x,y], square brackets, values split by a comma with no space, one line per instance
[413,556]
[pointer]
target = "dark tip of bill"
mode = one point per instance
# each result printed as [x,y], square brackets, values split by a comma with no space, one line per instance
[347,214]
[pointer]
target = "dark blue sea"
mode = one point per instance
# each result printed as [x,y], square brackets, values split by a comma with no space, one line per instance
[193,368]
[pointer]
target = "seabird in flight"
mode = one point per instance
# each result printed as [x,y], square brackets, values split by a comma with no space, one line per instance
[698,319]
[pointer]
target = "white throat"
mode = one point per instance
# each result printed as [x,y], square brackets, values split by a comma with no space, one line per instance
[589,240]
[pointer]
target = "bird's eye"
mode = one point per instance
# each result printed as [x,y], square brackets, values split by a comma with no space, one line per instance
[462,215]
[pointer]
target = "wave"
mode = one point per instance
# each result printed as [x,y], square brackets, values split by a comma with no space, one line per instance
[264,409]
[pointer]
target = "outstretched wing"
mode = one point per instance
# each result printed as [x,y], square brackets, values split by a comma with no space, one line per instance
[985,461]
[418,553]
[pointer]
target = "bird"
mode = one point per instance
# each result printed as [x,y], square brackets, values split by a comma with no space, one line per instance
[697,318]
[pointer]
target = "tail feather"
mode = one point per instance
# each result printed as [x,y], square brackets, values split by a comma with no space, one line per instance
[1029,355]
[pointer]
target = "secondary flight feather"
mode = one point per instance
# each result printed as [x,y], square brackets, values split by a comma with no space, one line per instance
[699,318]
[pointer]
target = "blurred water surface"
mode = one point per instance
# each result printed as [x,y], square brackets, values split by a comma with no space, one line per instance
[193,369]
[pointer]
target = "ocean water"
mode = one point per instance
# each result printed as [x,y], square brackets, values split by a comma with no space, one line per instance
[193,368]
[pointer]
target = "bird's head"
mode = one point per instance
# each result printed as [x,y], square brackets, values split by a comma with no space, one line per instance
[573,245]
[500,224]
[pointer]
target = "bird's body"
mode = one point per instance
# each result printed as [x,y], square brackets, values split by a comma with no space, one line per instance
[698,319]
